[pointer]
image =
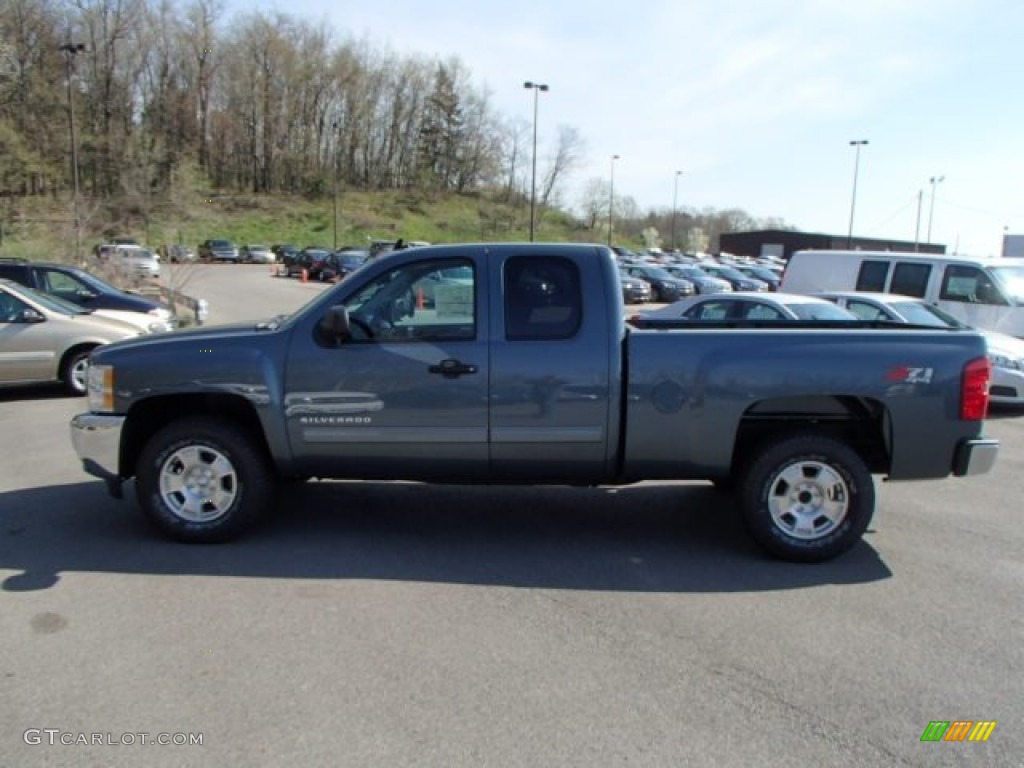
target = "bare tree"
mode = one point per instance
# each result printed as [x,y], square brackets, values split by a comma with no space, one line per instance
[566,158]
[594,201]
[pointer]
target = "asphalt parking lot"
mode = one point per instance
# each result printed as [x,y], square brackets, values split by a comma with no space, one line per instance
[395,624]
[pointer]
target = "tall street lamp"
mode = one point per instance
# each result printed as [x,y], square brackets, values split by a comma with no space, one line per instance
[934,181]
[675,197]
[853,200]
[70,50]
[536,88]
[611,199]
[334,165]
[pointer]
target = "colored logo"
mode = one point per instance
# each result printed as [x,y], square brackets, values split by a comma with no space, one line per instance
[958,730]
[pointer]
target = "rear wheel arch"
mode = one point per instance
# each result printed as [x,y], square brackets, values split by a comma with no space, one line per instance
[861,423]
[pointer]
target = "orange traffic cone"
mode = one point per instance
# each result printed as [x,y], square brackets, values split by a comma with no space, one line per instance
[420,301]
[305,275]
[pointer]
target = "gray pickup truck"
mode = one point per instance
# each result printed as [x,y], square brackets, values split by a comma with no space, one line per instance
[521,369]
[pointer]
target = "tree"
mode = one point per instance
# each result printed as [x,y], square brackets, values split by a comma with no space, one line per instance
[566,158]
[594,201]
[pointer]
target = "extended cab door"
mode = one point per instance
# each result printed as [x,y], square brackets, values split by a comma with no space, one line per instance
[551,367]
[405,394]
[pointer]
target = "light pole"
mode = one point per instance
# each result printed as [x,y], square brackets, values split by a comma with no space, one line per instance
[71,50]
[917,227]
[536,88]
[675,197]
[858,143]
[934,181]
[334,165]
[611,199]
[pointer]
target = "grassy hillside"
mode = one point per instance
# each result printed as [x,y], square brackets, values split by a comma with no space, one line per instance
[43,227]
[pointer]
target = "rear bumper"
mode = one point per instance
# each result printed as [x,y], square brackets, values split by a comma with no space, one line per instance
[96,439]
[975,456]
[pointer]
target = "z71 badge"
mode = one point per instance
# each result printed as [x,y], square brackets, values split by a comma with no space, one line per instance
[909,375]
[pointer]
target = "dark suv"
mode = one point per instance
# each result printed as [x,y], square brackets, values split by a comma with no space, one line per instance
[218,250]
[81,288]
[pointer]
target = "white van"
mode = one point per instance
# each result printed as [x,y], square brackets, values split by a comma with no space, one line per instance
[983,293]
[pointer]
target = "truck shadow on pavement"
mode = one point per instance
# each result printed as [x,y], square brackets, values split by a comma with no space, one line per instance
[644,538]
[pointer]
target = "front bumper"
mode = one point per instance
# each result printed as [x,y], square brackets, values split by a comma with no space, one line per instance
[975,456]
[96,439]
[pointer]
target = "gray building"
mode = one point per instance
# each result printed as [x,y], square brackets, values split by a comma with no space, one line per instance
[782,243]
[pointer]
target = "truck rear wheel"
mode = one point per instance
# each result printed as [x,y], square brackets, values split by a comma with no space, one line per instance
[807,498]
[203,480]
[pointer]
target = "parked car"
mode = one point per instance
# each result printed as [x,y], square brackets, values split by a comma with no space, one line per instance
[89,292]
[702,281]
[180,254]
[435,284]
[981,292]
[257,254]
[1005,352]
[283,250]
[314,260]
[348,260]
[764,274]
[664,285]
[753,305]
[133,261]
[218,251]
[46,339]
[634,290]
[317,261]
[736,279]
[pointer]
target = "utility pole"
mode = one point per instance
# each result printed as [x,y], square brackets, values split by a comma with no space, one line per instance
[70,50]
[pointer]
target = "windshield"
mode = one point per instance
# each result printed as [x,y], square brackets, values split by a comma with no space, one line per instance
[690,272]
[1011,281]
[54,303]
[824,311]
[659,273]
[729,272]
[94,282]
[917,313]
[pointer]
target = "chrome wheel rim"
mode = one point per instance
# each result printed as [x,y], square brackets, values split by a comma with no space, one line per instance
[808,500]
[198,483]
[79,374]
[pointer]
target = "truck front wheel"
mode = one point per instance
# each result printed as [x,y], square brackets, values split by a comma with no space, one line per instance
[807,498]
[203,480]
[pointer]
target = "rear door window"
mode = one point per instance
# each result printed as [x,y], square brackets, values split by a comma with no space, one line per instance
[543,298]
[872,276]
[909,279]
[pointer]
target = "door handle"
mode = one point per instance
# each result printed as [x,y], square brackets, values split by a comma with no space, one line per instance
[452,369]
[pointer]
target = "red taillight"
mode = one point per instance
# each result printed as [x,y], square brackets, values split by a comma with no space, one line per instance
[974,389]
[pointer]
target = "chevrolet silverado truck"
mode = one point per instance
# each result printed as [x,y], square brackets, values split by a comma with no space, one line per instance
[525,372]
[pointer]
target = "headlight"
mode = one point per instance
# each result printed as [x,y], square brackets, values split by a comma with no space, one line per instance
[159,327]
[1005,362]
[100,380]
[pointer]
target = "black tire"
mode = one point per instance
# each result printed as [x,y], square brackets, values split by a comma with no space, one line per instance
[72,372]
[817,519]
[201,448]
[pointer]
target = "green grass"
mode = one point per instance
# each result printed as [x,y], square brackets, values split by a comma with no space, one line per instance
[42,228]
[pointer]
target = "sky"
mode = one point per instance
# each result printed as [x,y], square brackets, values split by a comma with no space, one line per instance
[755,101]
